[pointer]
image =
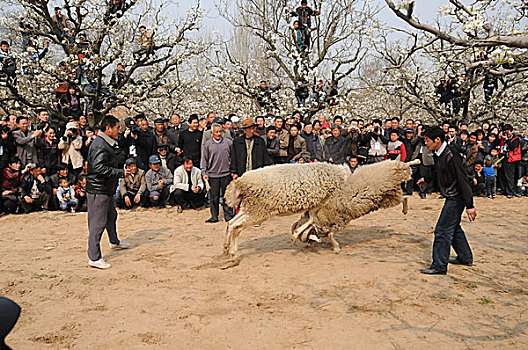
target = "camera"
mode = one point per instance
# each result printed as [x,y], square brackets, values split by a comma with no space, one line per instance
[376,129]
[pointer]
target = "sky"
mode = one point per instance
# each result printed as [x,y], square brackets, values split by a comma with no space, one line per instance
[426,10]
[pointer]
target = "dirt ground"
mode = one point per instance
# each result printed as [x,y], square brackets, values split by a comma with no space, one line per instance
[168,292]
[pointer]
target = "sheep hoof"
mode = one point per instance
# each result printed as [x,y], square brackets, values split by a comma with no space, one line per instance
[313,237]
[337,250]
[293,238]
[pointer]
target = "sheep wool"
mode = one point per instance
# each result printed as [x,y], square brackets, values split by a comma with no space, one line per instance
[285,189]
[370,188]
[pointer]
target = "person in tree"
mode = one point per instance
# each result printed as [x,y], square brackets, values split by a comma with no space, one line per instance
[299,39]
[7,63]
[116,5]
[490,85]
[146,43]
[304,14]
[263,94]
[31,59]
[118,77]
[301,93]
[62,23]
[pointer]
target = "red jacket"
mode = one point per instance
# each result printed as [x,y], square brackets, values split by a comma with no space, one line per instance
[11,180]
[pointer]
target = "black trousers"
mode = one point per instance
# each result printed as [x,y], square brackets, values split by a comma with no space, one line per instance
[218,186]
[509,177]
[38,203]
[448,232]
[188,198]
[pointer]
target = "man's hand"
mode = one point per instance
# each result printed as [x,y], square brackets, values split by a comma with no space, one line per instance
[41,178]
[73,198]
[137,198]
[179,150]
[127,201]
[55,190]
[421,182]
[472,214]
[234,176]
[474,181]
[195,189]
[161,183]
[36,134]
[5,193]
[206,177]
[127,172]
[63,202]
[4,135]
[82,194]
[28,199]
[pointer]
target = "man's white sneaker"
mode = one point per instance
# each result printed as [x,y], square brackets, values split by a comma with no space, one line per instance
[121,245]
[99,264]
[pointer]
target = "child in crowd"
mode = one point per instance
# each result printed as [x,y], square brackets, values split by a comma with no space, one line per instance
[66,196]
[80,193]
[489,171]
[395,148]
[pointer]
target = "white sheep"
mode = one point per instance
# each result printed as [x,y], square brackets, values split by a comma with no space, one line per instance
[283,189]
[370,188]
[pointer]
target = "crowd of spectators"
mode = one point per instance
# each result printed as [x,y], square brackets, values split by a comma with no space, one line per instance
[189,164]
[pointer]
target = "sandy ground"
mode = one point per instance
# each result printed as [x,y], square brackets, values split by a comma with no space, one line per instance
[167,291]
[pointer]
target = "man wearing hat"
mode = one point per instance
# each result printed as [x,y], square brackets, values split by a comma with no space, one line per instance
[248,151]
[133,188]
[168,160]
[158,180]
[34,189]
[160,133]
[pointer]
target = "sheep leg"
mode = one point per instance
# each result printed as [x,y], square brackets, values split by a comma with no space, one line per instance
[334,242]
[236,227]
[300,229]
[229,231]
[405,209]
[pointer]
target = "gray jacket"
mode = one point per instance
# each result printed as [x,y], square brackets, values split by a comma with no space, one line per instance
[26,147]
[153,177]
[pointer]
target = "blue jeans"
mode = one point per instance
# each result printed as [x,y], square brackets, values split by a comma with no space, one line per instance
[72,203]
[448,232]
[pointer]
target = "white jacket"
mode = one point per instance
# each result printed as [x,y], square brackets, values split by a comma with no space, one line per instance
[181,180]
[71,151]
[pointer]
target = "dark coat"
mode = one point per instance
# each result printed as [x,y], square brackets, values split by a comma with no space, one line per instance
[335,149]
[50,156]
[103,172]
[272,147]
[239,154]
[313,145]
[27,184]
[145,147]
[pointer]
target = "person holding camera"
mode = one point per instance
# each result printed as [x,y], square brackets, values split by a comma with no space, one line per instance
[377,143]
[71,144]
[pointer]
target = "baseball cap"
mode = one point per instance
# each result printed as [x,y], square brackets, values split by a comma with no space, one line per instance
[154,160]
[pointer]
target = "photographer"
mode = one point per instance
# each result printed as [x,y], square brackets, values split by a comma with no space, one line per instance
[377,143]
[71,144]
[425,169]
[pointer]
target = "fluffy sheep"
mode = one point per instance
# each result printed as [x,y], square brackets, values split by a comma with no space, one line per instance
[283,189]
[370,188]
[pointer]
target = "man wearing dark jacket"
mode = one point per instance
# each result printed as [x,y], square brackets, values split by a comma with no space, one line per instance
[335,147]
[249,151]
[190,141]
[34,190]
[103,176]
[511,145]
[313,143]
[145,144]
[455,187]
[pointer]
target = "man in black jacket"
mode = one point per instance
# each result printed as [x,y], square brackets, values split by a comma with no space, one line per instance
[249,151]
[34,190]
[103,176]
[455,187]
[145,144]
